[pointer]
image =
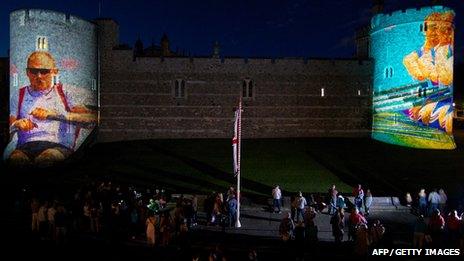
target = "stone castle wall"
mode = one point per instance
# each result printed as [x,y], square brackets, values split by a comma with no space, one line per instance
[137,97]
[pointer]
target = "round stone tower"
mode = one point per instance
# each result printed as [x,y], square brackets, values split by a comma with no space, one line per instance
[54,69]
[413,67]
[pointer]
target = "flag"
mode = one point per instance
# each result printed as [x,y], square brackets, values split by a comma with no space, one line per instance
[236,140]
[236,151]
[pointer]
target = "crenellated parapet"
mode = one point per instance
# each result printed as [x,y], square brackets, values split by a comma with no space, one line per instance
[405,16]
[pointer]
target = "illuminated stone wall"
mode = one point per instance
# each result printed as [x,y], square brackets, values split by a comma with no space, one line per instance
[53,85]
[413,77]
[138,96]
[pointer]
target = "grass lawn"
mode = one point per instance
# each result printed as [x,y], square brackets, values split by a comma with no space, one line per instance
[205,165]
[390,169]
[309,165]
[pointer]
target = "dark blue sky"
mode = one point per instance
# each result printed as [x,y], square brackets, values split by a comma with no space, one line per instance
[271,28]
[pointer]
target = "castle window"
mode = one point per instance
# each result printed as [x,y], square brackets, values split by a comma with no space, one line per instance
[15,80]
[22,20]
[322,92]
[42,43]
[179,88]
[247,88]
[359,92]
[425,27]
[421,27]
[389,72]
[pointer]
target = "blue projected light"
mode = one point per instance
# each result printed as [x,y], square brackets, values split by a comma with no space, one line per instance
[413,77]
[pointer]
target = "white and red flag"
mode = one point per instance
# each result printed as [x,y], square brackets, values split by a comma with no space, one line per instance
[236,139]
[236,143]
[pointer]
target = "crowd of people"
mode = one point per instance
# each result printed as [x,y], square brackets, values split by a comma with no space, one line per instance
[114,212]
[437,224]
[219,211]
[118,213]
[299,224]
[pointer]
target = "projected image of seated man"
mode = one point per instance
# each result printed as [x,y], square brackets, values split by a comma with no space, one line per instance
[47,116]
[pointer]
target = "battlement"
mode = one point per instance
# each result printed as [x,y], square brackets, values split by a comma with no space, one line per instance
[125,58]
[26,16]
[404,16]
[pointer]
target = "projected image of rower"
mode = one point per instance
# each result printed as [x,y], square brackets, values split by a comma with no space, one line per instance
[47,115]
[433,63]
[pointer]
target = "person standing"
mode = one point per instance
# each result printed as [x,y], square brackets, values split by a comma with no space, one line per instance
[338,223]
[293,206]
[376,232]
[286,228]
[51,221]
[301,204]
[362,241]
[165,228]
[35,206]
[60,224]
[310,225]
[43,222]
[422,202]
[434,200]
[358,194]
[408,199]
[277,198]
[453,224]
[442,201]
[300,240]
[355,220]
[368,201]
[134,219]
[195,209]
[340,201]
[151,223]
[420,228]
[332,204]
[230,192]
[436,227]
[232,205]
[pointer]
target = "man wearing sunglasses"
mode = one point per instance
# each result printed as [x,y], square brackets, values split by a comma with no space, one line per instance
[47,116]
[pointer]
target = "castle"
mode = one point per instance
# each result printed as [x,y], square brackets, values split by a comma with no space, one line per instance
[170,96]
[157,93]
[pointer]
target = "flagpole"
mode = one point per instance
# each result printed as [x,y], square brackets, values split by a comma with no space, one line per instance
[237,222]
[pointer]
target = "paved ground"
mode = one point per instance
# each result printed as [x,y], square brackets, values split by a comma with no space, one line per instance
[256,220]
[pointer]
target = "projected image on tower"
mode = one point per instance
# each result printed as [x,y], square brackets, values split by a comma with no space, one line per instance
[53,69]
[413,78]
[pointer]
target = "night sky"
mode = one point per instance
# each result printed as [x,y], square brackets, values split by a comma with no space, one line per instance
[246,28]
